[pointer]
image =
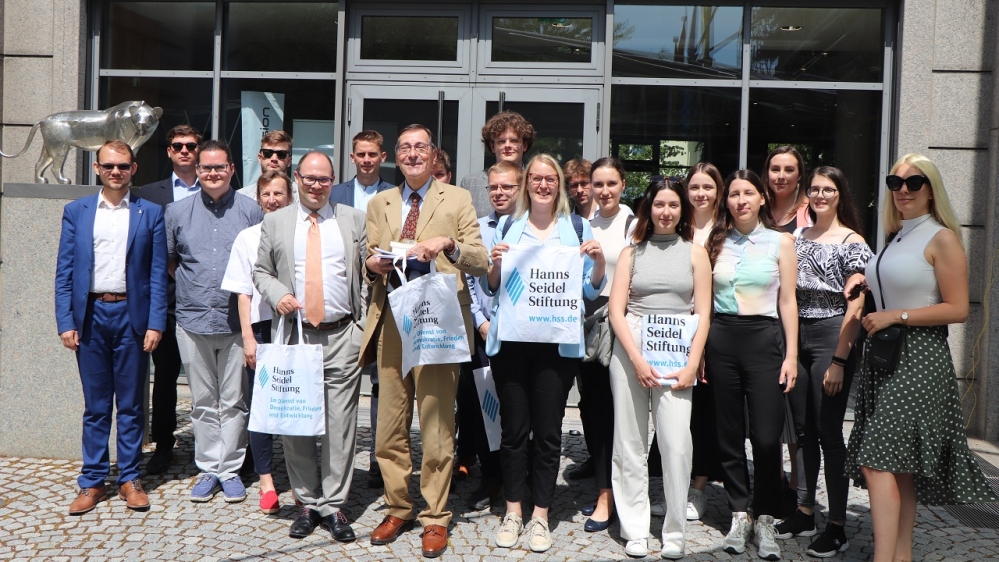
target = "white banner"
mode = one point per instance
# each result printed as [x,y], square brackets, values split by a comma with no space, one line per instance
[666,341]
[541,294]
[259,112]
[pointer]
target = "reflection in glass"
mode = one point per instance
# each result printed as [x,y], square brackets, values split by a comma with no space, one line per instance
[558,126]
[542,39]
[663,130]
[158,35]
[429,38]
[280,37]
[308,117]
[830,128]
[677,41]
[831,44]
[388,117]
[184,101]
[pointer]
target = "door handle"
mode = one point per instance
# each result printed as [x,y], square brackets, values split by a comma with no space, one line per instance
[440,116]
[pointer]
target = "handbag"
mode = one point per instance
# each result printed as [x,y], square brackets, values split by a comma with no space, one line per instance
[599,337]
[884,347]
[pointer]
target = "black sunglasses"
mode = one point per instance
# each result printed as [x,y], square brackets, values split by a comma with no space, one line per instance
[914,183]
[267,153]
[111,167]
[178,146]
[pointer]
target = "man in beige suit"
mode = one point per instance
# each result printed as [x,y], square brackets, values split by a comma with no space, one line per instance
[440,220]
[311,261]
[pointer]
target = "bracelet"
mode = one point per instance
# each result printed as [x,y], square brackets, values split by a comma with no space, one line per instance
[839,361]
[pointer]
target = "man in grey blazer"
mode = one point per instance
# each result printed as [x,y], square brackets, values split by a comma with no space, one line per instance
[311,261]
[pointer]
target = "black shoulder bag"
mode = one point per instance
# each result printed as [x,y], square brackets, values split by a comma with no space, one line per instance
[885,346]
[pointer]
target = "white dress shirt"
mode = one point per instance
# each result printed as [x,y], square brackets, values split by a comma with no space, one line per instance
[335,288]
[110,243]
[238,277]
[181,189]
[363,194]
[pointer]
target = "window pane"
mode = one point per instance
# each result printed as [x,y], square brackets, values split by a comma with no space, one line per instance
[306,114]
[184,101]
[158,36]
[677,41]
[558,126]
[663,130]
[830,128]
[388,117]
[831,44]
[542,39]
[280,37]
[409,38]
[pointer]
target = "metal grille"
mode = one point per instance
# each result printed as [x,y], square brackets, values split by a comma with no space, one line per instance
[981,514]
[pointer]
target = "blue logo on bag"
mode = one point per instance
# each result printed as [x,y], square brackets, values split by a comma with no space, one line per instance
[407,324]
[263,377]
[490,405]
[514,286]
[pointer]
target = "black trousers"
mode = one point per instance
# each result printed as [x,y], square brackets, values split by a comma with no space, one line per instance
[260,445]
[704,433]
[744,356]
[472,440]
[533,383]
[166,359]
[596,412]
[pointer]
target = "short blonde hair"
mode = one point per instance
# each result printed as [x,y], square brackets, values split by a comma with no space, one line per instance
[940,207]
[562,206]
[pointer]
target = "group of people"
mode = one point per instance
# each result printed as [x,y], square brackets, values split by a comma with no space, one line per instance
[774,266]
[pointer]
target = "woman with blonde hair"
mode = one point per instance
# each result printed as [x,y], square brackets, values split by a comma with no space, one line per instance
[908,442]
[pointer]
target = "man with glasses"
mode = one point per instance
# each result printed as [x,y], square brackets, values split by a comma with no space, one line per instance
[577,179]
[507,135]
[440,222]
[111,309]
[182,149]
[274,154]
[200,232]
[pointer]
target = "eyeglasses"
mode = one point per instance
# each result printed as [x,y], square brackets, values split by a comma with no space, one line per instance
[111,167]
[914,183]
[178,146]
[578,184]
[310,181]
[538,180]
[825,191]
[420,148]
[209,168]
[504,187]
[281,154]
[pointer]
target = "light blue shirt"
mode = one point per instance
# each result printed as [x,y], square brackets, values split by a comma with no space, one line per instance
[363,194]
[181,189]
[481,302]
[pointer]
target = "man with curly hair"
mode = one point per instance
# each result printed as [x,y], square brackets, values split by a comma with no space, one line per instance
[507,135]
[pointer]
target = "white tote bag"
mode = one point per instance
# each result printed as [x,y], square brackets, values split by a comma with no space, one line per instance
[542,294]
[666,341]
[288,395]
[429,319]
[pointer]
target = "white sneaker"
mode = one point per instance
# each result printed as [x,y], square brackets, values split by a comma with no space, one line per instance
[738,535]
[697,504]
[766,538]
[671,551]
[509,531]
[658,509]
[539,539]
[637,548]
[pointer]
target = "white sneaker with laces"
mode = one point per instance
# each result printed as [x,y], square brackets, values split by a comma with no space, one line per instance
[637,548]
[738,535]
[766,538]
[509,532]
[697,504]
[671,551]
[539,538]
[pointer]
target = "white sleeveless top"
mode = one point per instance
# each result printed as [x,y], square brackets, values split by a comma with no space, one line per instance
[908,279]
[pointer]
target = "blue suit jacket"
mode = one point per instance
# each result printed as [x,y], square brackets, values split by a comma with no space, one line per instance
[343,193]
[145,265]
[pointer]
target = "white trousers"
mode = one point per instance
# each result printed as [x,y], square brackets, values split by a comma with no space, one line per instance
[629,467]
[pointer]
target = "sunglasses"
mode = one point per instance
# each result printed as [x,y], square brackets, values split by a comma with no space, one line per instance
[267,153]
[178,146]
[914,183]
[111,167]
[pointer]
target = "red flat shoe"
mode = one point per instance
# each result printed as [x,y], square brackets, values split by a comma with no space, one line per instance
[269,503]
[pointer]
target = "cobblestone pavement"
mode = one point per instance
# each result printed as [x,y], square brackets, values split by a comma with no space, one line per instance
[35,495]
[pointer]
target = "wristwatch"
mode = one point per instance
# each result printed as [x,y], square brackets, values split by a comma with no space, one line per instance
[905,318]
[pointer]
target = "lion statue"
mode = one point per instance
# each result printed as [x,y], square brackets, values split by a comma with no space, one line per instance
[132,122]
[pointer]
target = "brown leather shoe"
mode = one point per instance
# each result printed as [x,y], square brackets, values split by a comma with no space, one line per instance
[389,529]
[133,494]
[434,540]
[87,499]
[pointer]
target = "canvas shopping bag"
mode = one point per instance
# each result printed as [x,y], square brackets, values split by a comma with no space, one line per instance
[429,319]
[666,341]
[288,394]
[541,296]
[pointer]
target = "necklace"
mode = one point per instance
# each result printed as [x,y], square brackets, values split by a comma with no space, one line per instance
[901,233]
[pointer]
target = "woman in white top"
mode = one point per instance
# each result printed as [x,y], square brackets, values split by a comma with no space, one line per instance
[273,193]
[908,442]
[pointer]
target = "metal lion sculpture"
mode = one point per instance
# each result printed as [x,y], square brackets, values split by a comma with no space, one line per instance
[132,122]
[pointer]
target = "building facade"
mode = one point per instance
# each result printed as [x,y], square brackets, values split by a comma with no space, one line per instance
[660,84]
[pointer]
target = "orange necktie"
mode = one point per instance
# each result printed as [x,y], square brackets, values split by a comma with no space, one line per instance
[315,309]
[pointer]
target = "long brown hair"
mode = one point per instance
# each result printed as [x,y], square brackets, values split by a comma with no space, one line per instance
[710,170]
[725,222]
[846,211]
[799,192]
[644,227]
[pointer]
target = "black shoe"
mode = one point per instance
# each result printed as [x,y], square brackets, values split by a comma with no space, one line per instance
[488,492]
[797,525]
[375,480]
[580,471]
[594,526]
[160,461]
[831,541]
[338,526]
[588,509]
[305,524]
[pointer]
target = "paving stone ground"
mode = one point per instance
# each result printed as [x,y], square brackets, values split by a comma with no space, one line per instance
[35,495]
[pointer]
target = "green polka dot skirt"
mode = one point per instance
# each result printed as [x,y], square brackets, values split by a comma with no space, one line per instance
[910,422]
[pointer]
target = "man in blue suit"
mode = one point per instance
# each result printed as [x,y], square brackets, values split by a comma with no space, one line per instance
[367,155]
[111,306]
